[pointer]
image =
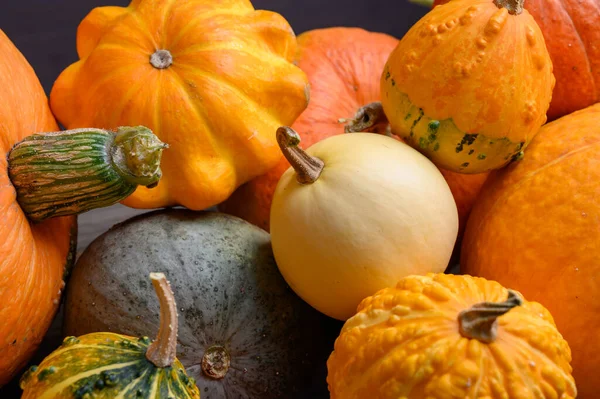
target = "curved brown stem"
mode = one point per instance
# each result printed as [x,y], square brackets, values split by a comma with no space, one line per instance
[480,322]
[163,350]
[368,118]
[308,168]
[514,7]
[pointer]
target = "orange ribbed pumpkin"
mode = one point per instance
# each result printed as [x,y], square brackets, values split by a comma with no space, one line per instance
[343,66]
[469,84]
[213,80]
[570,29]
[536,228]
[446,336]
[32,256]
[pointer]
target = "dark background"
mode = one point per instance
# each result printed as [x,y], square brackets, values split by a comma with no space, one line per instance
[45,32]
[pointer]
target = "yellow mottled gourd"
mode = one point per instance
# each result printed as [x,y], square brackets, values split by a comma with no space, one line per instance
[445,336]
[469,84]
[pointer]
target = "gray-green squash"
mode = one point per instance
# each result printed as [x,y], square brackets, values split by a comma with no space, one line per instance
[243,333]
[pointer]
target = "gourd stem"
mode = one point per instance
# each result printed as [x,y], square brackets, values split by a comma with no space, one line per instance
[308,168]
[368,118]
[73,171]
[163,350]
[480,322]
[216,362]
[514,7]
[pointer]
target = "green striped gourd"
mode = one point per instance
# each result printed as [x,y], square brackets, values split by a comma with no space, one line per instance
[109,365]
[74,171]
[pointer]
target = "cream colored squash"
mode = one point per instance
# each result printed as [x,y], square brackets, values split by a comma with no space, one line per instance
[354,214]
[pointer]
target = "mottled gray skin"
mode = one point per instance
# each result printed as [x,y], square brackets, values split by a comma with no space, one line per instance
[228,291]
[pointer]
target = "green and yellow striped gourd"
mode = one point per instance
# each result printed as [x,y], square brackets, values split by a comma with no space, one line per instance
[108,365]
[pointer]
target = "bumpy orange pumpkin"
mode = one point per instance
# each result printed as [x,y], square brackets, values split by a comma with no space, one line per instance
[536,228]
[213,79]
[447,336]
[571,32]
[32,256]
[343,66]
[469,84]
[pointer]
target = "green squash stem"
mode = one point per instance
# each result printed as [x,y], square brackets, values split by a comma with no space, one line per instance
[163,350]
[480,322]
[74,171]
[308,168]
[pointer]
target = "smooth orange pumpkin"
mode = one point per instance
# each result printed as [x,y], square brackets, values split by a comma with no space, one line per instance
[446,336]
[343,66]
[469,84]
[213,79]
[535,228]
[570,29]
[32,256]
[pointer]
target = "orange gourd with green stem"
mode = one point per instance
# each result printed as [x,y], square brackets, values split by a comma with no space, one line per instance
[469,84]
[45,179]
[343,66]
[570,30]
[213,79]
[447,336]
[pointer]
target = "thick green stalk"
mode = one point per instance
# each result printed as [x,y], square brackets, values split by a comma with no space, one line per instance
[74,171]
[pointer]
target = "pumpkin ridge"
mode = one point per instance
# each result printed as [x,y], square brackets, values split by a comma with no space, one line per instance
[583,46]
[523,179]
[134,89]
[233,87]
[143,24]
[522,344]
[164,24]
[198,21]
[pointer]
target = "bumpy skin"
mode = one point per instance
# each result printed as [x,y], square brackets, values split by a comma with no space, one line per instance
[32,256]
[231,84]
[535,229]
[105,366]
[228,291]
[571,32]
[469,85]
[404,343]
[343,66]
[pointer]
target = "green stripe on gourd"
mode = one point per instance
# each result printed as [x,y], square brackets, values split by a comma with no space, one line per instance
[442,141]
[74,171]
[109,365]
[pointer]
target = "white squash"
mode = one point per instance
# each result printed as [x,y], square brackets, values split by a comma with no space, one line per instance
[354,214]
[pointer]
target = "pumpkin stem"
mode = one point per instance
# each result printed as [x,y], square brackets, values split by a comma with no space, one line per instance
[74,171]
[514,7]
[368,118]
[308,168]
[216,362]
[480,322]
[161,59]
[163,350]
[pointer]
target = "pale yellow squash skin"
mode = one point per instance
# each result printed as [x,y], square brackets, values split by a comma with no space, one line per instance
[378,212]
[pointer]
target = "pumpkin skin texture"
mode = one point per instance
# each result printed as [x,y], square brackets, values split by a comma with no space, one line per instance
[378,211]
[32,256]
[570,32]
[343,66]
[536,226]
[106,365]
[228,291]
[405,342]
[214,80]
[469,85]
